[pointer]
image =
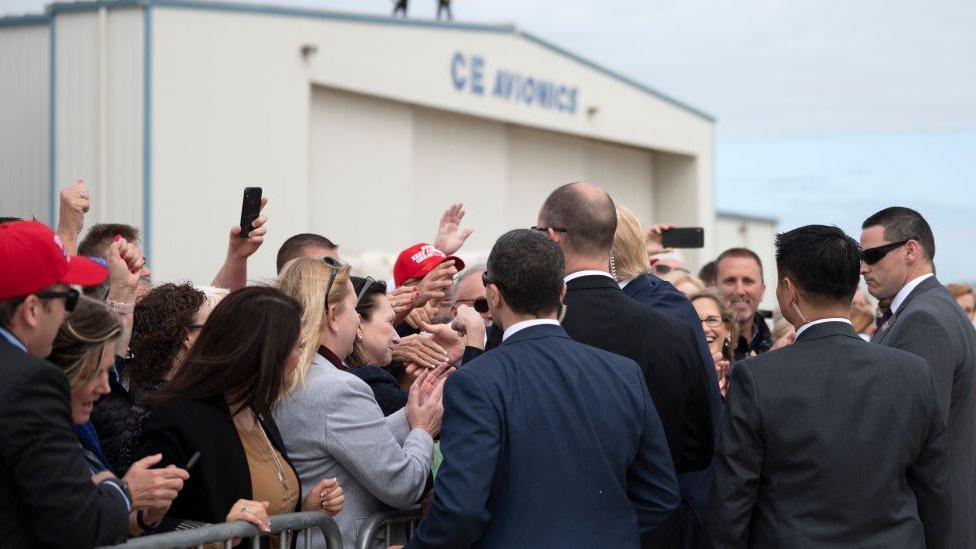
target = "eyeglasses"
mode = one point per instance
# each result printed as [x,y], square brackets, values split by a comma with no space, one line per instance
[547,229]
[70,296]
[876,254]
[712,321]
[366,286]
[479,304]
[335,264]
[662,269]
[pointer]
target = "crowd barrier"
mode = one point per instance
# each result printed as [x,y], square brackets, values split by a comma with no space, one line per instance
[224,532]
[385,521]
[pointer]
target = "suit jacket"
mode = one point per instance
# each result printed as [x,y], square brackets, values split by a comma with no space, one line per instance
[696,486]
[598,313]
[333,428]
[46,494]
[548,443]
[221,475]
[930,324]
[831,442]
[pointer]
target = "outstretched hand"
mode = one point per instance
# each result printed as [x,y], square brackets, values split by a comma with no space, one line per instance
[243,248]
[450,236]
[654,239]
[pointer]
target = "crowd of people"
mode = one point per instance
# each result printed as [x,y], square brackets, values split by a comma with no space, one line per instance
[582,388]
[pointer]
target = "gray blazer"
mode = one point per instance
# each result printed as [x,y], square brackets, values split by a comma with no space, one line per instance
[332,427]
[831,442]
[930,324]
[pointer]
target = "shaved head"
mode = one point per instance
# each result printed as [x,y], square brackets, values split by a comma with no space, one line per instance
[586,213]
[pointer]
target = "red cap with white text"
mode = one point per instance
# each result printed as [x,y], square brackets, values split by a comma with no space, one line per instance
[32,258]
[418,260]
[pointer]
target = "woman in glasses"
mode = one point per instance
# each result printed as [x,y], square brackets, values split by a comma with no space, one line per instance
[330,422]
[721,330]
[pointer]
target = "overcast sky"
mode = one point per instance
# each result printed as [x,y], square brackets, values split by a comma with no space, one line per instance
[826,108]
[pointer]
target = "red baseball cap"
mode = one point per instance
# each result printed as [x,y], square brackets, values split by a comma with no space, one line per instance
[418,260]
[33,258]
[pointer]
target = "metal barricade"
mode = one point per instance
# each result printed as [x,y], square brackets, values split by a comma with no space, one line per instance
[224,532]
[385,521]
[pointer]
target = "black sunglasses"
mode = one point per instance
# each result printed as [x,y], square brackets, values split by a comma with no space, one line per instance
[70,296]
[481,305]
[336,265]
[876,254]
[366,286]
[662,269]
[547,229]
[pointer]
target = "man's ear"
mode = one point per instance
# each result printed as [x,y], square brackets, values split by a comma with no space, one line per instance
[30,311]
[913,251]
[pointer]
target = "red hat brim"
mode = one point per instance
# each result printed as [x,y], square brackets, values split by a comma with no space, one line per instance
[84,272]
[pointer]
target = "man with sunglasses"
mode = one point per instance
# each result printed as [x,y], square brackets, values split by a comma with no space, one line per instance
[925,320]
[47,494]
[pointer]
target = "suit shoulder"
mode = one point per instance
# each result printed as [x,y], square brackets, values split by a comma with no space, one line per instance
[18,369]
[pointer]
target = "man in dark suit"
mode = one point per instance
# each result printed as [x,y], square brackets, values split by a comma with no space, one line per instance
[925,320]
[546,442]
[581,219]
[47,493]
[831,441]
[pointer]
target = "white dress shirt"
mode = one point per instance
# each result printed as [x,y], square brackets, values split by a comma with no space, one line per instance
[907,289]
[623,283]
[519,326]
[577,274]
[821,321]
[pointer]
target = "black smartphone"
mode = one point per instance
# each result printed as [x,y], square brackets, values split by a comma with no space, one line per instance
[683,237]
[727,349]
[250,209]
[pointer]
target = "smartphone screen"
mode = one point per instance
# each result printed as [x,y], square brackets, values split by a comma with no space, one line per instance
[250,209]
[683,237]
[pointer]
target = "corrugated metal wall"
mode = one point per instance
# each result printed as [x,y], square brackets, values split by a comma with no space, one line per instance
[24,52]
[98,109]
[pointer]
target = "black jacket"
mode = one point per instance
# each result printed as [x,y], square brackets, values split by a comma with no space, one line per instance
[220,476]
[598,313]
[385,388]
[109,417]
[832,442]
[46,494]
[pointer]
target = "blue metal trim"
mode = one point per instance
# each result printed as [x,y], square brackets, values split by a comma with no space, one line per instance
[24,20]
[328,14]
[147,241]
[52,125]
[617,76]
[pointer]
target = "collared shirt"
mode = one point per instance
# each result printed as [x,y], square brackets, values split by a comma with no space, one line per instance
[623,283]
[907,289]
[578,274]
[519,326]
[13,340]
[821,321]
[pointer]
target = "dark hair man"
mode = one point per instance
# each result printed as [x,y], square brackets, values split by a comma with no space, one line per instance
[581,219]
[306,245]
[738,273]
[96,244]
[925,320]
[501,483]
[861,419]
[47,496]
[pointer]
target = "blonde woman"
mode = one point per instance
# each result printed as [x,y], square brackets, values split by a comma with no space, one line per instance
[85,350]
[330,421]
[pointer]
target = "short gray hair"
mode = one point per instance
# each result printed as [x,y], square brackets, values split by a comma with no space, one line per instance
[464,275]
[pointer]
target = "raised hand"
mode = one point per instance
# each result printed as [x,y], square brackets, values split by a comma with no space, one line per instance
[434,286]
[402,300]
[470,326]
[75,202]
[243,248]
[425,407]
[447,338]
[450,237]
[654,234]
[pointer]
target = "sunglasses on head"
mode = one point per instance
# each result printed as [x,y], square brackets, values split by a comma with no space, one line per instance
[70,296]
[366,286]
[876,254]
[335,264]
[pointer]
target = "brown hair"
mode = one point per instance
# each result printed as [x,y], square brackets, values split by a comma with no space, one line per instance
[161,322]
[81,340]
[744,253]
[958,289]
[240,353]
[728,317]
